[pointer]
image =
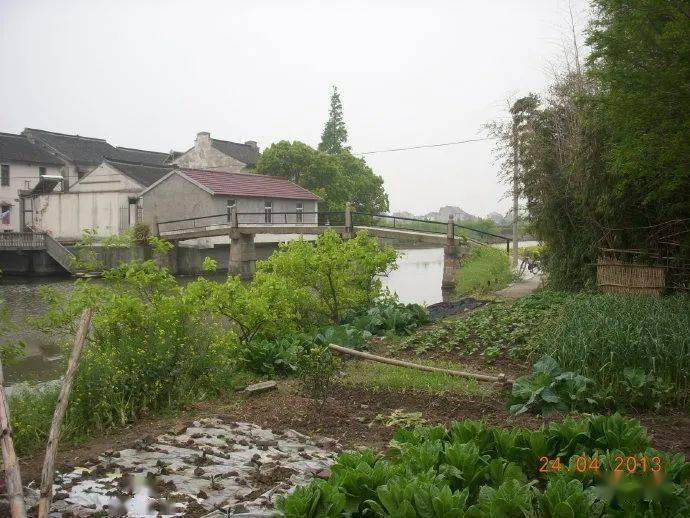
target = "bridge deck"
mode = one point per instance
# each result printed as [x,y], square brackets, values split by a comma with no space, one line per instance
[224,230]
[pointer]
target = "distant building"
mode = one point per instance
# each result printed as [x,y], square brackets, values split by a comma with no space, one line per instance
[62,183]
[191,193]
[22,165]
[219,155]
[107,199]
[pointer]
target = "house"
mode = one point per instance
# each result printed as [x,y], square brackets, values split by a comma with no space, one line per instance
[22,166]
[218,155]
[258,199]
[79,155]
[107,199]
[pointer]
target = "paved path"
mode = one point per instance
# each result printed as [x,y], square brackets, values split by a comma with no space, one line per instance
[521,288]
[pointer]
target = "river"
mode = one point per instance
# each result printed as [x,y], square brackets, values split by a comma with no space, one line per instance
[417,279]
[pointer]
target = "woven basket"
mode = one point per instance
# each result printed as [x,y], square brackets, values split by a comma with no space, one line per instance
[618,277]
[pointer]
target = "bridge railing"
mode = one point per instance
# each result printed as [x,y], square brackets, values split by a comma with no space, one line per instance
[254,219]
[428,226]
[22,241]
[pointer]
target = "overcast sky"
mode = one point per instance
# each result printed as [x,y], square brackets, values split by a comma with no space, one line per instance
[152,73]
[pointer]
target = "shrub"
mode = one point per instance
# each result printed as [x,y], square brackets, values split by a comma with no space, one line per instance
[151,349]
[336,276]
[316,370]
[475,470]
[484,269]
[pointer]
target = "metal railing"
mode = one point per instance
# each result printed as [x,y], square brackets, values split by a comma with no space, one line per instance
[249,219]
[330,218]
[428,226]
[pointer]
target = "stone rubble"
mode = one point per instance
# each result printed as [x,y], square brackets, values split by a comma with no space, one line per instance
[212,468]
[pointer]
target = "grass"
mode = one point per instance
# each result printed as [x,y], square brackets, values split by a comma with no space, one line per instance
[381,376]
[485,269]
[600,336]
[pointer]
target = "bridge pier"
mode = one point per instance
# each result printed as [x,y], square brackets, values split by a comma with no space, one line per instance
[452,253]
[242,258]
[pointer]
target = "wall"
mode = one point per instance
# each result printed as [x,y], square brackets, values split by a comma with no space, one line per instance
[177,198]
[64,215]
[22,176]
[204,156]
[106,178]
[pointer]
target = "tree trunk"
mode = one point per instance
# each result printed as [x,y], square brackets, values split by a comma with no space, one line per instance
[63,399]
[13,478]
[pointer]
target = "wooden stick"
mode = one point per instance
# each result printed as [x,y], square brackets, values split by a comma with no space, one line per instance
[60,408]
[13,477]
[501,378]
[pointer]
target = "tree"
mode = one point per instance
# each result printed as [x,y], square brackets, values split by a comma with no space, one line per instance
[335,275]
[641,58]
[336,178]
[334,136]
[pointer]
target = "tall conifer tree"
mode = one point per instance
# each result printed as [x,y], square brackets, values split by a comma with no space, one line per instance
[334,136]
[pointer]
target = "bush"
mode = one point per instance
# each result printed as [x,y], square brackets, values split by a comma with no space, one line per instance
[335,276]
[485,269]
[475,470]
[151,349]
[317,370]
[271,357]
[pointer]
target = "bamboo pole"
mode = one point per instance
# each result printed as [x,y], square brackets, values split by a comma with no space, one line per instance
[13,477]
[60,409]
[501,378]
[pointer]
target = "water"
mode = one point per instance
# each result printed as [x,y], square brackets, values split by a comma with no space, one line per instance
[417,279]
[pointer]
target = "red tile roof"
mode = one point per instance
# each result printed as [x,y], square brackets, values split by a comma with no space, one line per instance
[248,185]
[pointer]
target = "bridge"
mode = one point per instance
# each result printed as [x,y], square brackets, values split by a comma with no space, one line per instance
[242,227]
[41,242]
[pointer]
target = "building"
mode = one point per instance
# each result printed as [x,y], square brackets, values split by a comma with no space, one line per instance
[218,155]
[80,155]
[22,166]
[106,199]
[258,199]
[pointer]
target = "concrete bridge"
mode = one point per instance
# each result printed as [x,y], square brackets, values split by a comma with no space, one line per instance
[242,229]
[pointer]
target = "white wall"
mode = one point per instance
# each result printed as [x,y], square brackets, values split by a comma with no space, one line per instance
[106,178]
[204,156]
[64,215]
[22,176]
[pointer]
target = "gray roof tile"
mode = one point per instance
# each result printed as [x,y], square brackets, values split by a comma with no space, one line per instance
[18,148]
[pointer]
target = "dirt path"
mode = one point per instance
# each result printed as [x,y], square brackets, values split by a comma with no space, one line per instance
[520,289]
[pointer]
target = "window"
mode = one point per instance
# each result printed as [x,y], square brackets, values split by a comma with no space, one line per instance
[5,213]
[300,212]
[268,211]
[41,171]
[4,175]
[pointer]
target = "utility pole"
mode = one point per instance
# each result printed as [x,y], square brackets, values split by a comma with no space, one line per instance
[515,194]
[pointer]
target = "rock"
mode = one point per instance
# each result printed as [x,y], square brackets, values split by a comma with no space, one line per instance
[198,471]
[264,386]
[202,494]
[324,474]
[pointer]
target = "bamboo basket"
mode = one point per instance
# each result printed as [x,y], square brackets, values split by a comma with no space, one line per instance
[618,277]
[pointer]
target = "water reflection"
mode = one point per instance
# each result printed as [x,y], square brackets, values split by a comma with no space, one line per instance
[418,277]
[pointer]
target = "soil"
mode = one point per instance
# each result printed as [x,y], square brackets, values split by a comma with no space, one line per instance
[348,415]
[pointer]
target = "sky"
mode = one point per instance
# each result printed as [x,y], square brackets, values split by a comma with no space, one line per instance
[151,74]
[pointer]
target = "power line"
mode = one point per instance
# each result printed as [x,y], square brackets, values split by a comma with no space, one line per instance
[425,146]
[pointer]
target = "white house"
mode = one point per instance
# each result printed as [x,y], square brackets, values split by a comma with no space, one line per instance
[22,165]
[107,199]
